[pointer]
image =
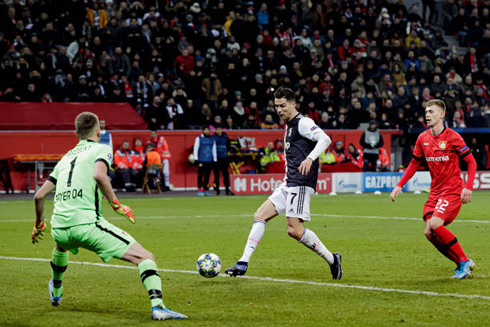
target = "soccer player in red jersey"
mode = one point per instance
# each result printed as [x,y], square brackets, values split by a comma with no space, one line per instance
[442,148]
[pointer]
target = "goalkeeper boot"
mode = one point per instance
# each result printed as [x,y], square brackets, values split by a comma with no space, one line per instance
[55,300]
[238,269]
[336,267]
[159,313]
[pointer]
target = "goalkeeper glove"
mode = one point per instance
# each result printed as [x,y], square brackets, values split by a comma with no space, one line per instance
[123,210]
[38,232]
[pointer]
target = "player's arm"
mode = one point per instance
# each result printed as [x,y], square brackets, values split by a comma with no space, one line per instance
[39,200]
[467,192]
[100,175]
[308,129]
[418,156]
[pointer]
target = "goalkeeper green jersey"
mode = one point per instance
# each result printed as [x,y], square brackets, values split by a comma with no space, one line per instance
[77,197]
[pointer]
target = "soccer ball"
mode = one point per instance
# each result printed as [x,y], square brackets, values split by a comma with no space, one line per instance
[208,265]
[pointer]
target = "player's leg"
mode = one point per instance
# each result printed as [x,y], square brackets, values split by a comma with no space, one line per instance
[109,241]
[298,211]
[226,176]
[166,173]
[273,206]
[207,173]
[200,174]
[148,271]
[216,172]
[445,210]
[59,263]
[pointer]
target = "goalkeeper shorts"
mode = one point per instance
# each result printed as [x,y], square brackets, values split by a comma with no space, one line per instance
[102,237]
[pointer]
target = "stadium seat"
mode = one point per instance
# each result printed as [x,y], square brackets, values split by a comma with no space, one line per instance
[153,173]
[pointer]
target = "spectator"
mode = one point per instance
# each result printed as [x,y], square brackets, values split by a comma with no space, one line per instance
[371,140]
[97,17]
[355,156]
[211,86]
[163,150]
[205,154]
[269,123]
[479,152]
[175,115]
[105,136]
[269,155]
[339,152]
[222,165]
[123,158]
[184,63]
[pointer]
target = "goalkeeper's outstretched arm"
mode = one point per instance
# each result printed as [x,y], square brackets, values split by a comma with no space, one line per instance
[39,199]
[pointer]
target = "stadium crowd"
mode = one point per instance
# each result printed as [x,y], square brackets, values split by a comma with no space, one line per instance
[183,64]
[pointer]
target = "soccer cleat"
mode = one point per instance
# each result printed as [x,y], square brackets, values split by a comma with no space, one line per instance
[55,300]
[200,193]
[159,313]
[464,269]
[229,193]
[206,193]
[238,269]
[336,267]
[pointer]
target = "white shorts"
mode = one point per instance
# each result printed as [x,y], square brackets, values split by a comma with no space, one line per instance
[293,200]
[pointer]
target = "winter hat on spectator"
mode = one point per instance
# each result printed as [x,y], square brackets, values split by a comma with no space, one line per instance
[195,8]
[89,63]
[82,77]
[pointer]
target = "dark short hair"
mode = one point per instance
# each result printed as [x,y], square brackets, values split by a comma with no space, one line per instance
[284,92]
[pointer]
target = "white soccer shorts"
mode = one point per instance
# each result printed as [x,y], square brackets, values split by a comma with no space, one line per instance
[294,201]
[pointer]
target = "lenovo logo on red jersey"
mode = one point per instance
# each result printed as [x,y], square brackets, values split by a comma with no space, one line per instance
[436,159]
[481,182]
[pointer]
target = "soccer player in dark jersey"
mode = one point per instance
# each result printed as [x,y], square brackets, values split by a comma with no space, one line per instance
[442,148]
[304,142]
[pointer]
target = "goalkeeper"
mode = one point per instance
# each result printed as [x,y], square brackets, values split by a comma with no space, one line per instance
[80,180]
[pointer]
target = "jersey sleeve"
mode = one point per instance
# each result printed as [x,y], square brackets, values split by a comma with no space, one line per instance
[53,177]
[460,146]
[104,154]
[308,129]
[418,153]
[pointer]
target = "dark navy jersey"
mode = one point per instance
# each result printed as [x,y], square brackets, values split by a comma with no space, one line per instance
[302,135]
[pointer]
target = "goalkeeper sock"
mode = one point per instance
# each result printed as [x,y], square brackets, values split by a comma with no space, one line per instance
[449,245]
[253,240]
[59,263]
[151,279]
[311,241]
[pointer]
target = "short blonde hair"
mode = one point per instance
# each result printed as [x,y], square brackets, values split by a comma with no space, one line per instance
[437,103]
[86,124]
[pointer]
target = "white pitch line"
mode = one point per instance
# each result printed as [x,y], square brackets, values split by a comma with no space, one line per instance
[251,215]
[278,280]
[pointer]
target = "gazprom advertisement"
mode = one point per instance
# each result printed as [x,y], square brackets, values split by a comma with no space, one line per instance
[383,182]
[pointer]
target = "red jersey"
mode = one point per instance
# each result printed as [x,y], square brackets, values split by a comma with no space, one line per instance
[442,153]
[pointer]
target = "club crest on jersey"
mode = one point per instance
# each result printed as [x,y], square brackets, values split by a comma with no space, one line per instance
[286,146]
[442,144]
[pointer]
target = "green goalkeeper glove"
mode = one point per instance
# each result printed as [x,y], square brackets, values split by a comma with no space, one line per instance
[38,232]
[123,210]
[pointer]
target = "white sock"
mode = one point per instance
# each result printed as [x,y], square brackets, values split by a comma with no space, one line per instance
[311,241]
[253,240]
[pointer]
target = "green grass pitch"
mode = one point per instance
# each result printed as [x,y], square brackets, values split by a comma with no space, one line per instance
[392,274]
